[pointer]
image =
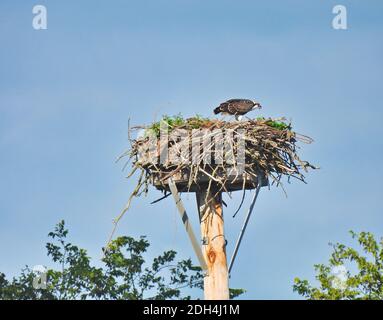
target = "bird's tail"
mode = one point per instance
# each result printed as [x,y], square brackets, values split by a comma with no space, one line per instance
[217,110]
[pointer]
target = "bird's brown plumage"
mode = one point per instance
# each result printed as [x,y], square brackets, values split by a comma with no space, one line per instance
[236,107]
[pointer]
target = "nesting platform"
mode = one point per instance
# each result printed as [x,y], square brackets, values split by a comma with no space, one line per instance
[204,154]
[232,182]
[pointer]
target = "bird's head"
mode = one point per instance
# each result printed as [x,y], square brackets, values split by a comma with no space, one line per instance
[257,105]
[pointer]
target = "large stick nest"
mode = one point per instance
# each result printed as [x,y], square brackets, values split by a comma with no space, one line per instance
[270,152]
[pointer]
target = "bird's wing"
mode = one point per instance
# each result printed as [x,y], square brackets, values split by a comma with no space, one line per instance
[232,107]
[239,106]
[243,106]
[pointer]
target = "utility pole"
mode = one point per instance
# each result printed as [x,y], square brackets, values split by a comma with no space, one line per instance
[216,282]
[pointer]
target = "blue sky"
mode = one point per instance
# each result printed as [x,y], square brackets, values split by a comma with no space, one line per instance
[66,95]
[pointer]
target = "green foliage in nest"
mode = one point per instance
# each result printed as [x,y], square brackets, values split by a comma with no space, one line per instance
[177,121]
[280,125]
[198,122]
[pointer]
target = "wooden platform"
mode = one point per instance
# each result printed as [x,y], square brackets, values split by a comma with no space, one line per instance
[234,182]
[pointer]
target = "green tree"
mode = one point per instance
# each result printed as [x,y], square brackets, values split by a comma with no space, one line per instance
[124,274]
[365,283]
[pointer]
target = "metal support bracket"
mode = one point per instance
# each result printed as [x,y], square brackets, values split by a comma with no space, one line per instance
[242,232]
[187,224]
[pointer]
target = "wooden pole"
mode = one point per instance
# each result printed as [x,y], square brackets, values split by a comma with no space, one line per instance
[216,282]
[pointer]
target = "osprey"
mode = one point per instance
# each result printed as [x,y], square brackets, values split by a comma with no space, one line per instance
[237,107]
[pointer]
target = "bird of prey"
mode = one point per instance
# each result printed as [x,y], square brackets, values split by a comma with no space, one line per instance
[237,107]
